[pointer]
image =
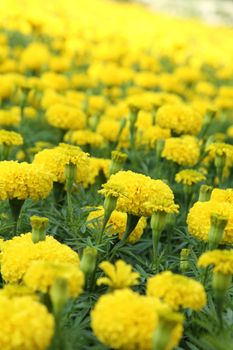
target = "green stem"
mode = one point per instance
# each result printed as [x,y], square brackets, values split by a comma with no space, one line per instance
[155,239]
[16,207]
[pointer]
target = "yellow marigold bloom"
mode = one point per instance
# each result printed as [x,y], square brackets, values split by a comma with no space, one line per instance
[110,128]
[220,149]
[95,167]
[10,138]
[84,137]
[220,195]
[182,150]
[120,275]
[65,117]
[35,56]
[150,135]
[117,224]
[139,194]
[55,160]
[24,180]
[10,117]
[230,131]
[41,275]
[124,310]
[189,177]
[180,118]
[19,252]
[177,290]
[55,81]
[16,290]
[221,260]
[25,324]
[199,219]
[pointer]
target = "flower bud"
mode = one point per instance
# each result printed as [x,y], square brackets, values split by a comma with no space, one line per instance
[70,175]
[39,225]
[118,160]
[205,193]
[218,224]
[184,260]
[88,261]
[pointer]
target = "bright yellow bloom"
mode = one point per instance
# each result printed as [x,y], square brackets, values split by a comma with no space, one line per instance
[19,252]
[10,117]
[96,166]
[182,150]
[65,117]
[23,180]
[221,260]
[189,177]
[25,324]
[35,56]
[84,137]
[177,290]
[139,194]
[180,118]
[55,160]
[199,219]
[41,275]
[10,138]
[16,290]
[125,320]
[120,275]
[117,224]
[149,136]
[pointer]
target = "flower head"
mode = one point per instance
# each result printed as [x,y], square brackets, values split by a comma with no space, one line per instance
[221,260]
[19,252]
[117,224]
[66,117]
[124,310]
[182,150]
[199,219]
[180,118]
[41,275]
[138,194]
[56,159]
[189,177]
[177,290]
[119,275]
[25,324]
[10,138]
[24,180]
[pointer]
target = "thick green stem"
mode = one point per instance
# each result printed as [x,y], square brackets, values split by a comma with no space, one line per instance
[16,207]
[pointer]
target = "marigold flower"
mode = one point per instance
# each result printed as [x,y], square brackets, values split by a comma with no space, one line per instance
[84,137]
[35,56]
[65,117]
[199,219]
[182,150]
[124,310]
[221,260]
[149,136]
[56,159]
[180,118]
[138,194]
[189,177]
[10,117]
[25,324]
[24,180]
[117,224]
[177,290]
[19,252]
[120,275]
[41,275]
[10,138]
